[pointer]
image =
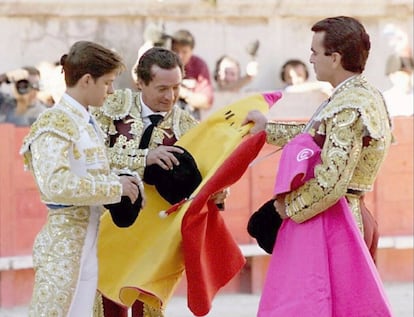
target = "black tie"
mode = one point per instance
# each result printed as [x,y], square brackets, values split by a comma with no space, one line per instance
[146,137]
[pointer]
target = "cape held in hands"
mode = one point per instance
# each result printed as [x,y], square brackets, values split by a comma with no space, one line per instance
[147,260]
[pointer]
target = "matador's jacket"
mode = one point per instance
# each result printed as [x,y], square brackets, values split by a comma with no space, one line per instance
[121,120]
[66,155]
[354,130]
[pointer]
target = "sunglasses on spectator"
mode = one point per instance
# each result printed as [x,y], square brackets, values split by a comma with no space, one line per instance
[24,86]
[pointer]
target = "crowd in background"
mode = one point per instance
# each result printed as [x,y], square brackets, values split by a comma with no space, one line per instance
[26,92]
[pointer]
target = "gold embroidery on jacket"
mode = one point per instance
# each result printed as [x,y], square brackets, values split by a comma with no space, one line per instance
[280,133]
[124,153]
[356,110]
[56,255]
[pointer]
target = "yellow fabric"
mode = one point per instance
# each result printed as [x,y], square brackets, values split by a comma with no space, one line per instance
[145,261]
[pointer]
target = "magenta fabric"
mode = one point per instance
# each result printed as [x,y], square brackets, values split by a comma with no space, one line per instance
[299,157]
[272,96]
[322,267]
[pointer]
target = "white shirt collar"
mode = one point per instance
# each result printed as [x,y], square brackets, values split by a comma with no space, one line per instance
[75,104]
[146,111]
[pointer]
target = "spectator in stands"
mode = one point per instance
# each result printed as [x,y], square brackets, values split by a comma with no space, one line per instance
[154,36]
[399,97]
[227,74]
[196,92]
[23,107]
[301,96]
[294,72]
[295,77]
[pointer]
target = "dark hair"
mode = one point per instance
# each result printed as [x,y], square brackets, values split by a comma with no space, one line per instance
[159,56]
[346,36]
[293,63]
[86,57]
[183,37]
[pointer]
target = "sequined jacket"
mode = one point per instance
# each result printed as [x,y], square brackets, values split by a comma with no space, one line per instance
[121,121]
[354,131]
[67,158]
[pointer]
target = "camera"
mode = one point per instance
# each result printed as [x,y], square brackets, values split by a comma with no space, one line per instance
[23,86]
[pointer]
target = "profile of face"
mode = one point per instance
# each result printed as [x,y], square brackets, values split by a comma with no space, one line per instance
[183,51]
[322,64]
[98,89]
[163,90]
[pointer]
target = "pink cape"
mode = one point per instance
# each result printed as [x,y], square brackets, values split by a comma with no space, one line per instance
[322,267]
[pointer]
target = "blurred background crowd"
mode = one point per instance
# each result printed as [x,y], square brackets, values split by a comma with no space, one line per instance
[229,48]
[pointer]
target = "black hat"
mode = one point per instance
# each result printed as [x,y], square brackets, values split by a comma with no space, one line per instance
[176,184]
[125,213]
[264,224]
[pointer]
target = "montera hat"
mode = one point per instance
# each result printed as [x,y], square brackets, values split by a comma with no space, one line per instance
[178,183]
[125,213]
[264,224]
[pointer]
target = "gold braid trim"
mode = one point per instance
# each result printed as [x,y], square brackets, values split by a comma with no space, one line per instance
[340,155]
[181,121]
[358,94]
[356,110]
[354,205]
[118,105]
[152,311]
[280,133]
[98,309]
[52,120]
[125,154]
[57,252]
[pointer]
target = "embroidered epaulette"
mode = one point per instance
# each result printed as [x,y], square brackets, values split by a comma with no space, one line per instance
[55,121]
[118,105]
[359,95]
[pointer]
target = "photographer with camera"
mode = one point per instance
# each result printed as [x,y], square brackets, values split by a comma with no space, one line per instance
[23,107]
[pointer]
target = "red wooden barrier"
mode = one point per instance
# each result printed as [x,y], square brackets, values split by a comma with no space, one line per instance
[21,216]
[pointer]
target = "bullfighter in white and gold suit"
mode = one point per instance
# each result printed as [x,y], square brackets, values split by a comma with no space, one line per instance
[66,154]
[70,166]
